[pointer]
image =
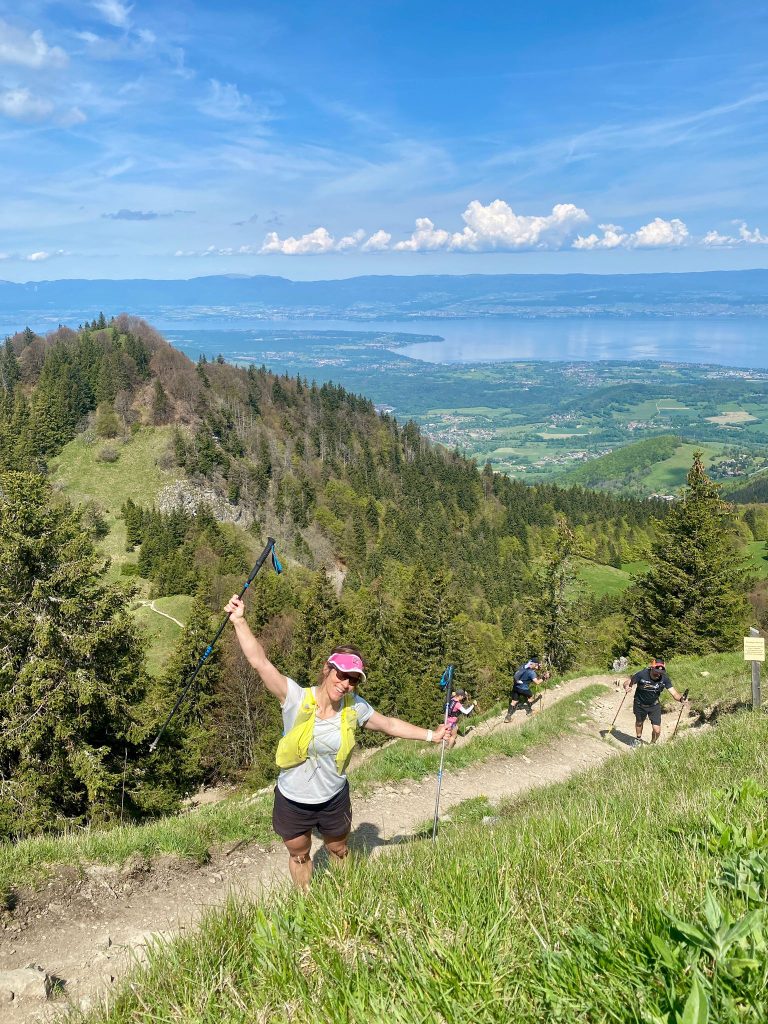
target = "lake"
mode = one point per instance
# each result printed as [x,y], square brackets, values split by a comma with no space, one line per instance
[734,341]
[739,342]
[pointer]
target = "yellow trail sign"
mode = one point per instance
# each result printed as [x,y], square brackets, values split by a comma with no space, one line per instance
[754,648]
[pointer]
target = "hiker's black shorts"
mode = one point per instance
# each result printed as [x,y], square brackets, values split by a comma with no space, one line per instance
[642,712]
[332,818]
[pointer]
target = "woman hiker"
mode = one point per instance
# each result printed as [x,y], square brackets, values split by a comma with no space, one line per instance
[319,726]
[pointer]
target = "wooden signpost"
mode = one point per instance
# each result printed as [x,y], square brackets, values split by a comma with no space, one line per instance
[754,651]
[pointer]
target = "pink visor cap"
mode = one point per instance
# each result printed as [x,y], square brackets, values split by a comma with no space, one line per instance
[347,663]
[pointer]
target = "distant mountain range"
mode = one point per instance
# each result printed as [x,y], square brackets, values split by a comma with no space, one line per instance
[374,297]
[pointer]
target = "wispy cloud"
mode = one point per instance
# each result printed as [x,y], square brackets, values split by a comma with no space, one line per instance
[225,101]
[22,105]
[213,250]
[134,215]
[113,12]
[29,51]
[42,256]
[144,214]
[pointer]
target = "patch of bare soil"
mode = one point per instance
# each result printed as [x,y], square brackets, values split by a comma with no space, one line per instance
[85,930]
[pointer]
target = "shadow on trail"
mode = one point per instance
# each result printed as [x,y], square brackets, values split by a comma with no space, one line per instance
[364,841]
[622,737]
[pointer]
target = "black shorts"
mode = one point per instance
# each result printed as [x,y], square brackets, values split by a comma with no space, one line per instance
[643,711]
[333,818]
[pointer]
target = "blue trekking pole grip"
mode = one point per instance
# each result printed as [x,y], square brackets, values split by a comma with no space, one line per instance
[268,548]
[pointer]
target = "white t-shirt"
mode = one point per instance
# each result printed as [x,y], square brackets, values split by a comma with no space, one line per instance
[316,779]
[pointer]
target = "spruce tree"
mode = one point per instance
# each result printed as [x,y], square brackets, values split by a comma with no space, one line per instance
[323,626]
[556,610]
[425,647]
[71,672]
[693,598]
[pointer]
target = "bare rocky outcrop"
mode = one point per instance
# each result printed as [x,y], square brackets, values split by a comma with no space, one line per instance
[189,496]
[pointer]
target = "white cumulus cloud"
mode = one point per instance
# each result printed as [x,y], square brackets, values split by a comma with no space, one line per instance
[497,228]
[313,243]
[426,238]
[114,12]
[378,242]
[746,236]
[657,234]
[613,236]
[30,51]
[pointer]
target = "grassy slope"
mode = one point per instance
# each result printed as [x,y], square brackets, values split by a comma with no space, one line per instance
[162,633]
[618,464]
[656,465]
[558,913]
[136,474]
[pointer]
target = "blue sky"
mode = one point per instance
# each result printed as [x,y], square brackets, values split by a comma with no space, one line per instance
[328,139]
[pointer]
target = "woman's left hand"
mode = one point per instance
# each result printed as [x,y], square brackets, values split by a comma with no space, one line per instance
[442,732]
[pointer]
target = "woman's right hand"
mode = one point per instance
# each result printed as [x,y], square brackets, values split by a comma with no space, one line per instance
[235,608]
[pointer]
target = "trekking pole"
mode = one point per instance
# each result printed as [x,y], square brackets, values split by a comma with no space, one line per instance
[682,705]
[268,548]
[619,711]
[446,683]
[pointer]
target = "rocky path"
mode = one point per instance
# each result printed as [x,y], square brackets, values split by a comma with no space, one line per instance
[88,931]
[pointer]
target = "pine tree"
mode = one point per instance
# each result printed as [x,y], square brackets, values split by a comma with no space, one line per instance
[556,610]
[693,598]
[322,627]
[424,649]
[71,675]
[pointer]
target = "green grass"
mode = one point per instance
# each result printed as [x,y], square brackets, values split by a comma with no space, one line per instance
[728,682]
[162,634]
[757,552]
[669,475]
[603,579]
[188,835]
[136,474]
[629,895]
[635,568]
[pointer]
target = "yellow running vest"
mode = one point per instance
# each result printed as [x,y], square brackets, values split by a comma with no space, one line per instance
[293,748]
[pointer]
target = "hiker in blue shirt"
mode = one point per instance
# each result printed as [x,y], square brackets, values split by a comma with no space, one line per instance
[522,694]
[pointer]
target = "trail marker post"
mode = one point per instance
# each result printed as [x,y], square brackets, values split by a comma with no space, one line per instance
[754,651]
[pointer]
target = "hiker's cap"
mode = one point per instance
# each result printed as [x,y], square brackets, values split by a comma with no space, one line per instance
[658,663]
[460,693]
[349,663]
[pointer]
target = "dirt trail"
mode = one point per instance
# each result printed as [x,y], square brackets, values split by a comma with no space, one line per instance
[89,931]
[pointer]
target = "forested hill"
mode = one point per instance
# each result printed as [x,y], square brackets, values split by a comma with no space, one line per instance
[440,561]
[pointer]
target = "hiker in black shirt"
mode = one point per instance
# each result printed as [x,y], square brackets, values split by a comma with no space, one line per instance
[650,682]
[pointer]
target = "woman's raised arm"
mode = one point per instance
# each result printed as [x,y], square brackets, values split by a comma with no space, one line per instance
[273,678]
